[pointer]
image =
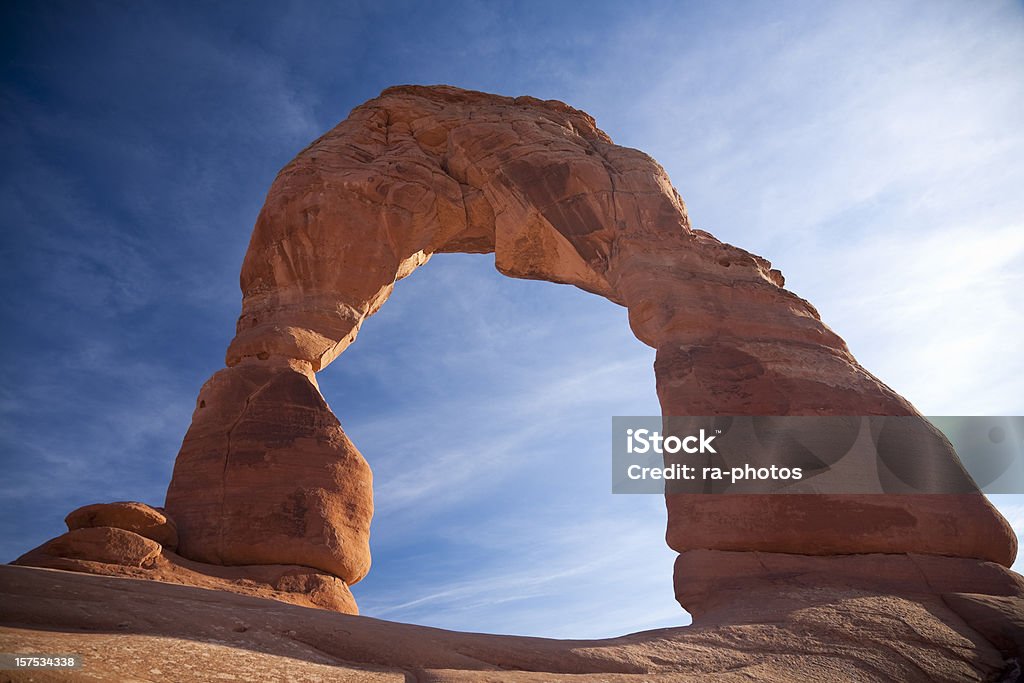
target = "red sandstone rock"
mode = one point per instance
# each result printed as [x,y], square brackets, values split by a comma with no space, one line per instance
[953,525]
[725,589]
[706,580]
[266,475]
[421,170]
[270,494]
[103,544]
[137,517]
[999,618]
[118,554]
[270,485]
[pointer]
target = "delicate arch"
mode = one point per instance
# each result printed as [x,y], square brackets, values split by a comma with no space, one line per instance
[266,475]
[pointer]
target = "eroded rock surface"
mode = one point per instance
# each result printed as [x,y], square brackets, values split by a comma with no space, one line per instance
[131,516]
[104,545]
[269,497]
[266,475]
[422,170]
[118,550]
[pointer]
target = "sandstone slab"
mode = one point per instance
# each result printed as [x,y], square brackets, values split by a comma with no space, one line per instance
[797,632]
[107,545]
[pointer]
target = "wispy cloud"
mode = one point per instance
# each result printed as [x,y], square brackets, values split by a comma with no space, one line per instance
[936,315]
[130,187]
[564,569]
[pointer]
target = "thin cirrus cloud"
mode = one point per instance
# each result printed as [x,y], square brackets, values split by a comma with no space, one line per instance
[559,573]
[936,315]
[872,151]
[867,125]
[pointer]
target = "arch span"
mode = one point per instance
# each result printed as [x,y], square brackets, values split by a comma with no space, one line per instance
[266,475]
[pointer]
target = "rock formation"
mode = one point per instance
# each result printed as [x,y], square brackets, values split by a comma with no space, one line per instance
[134,540]
[425,170]
[135,517]
[266,475]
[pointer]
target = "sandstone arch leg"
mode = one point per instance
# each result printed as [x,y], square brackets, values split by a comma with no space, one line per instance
[266,475]
[419,171]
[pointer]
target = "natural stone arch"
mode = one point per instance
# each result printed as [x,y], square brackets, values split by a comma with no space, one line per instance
[267,476]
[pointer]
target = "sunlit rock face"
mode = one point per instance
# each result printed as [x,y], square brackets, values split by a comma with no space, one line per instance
[422,170]
[266,475]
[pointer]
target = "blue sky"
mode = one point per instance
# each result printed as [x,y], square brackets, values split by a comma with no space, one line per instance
[872,151]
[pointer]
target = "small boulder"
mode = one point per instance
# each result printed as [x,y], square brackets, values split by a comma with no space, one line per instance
[130,516]
[104,544]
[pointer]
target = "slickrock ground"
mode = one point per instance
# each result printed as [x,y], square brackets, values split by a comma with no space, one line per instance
[817,625]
